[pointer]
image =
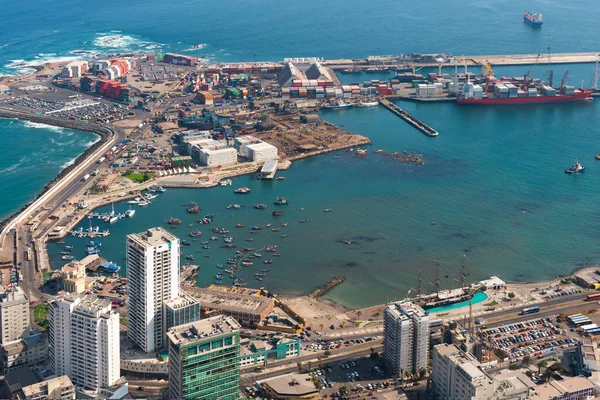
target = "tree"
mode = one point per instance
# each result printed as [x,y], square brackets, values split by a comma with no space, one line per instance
[309,365]
[327,353]
[407,374]
[374,356]
[526,361]
[529,373]
[320,327]
[319,358]
[146,176]
[513,366]
[343,389]
[547,375]
[542,364]
[511,295]
[422,373]
[358,314]
[299,364]
[376,315]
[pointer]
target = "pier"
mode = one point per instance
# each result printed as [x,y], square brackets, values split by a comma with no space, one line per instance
[320,291]
[426,129]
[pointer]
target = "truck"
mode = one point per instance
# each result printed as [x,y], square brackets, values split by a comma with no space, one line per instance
[126,140]
[101,160]
[85,177]
[96,172]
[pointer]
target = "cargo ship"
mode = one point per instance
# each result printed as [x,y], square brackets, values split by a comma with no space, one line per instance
[534,20]
[501,92]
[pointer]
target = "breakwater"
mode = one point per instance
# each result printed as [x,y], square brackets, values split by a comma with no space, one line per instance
[105,133]
[321,290]
[423,127]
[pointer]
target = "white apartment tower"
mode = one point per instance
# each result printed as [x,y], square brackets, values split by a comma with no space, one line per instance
[152,280]
[14,315]
[84,341]
[406,337]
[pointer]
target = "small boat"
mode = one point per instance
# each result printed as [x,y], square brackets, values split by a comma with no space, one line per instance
[240,225]
[275,230]
[264,270]
[303,221]
[143,203]
[174,221]
[280,178]
[226,182]
[247,263]
[207,256]
[221,266]
[189,257]
[284,235]
[185,243]
[302,209]
[65,252]
[95,243]
[327,210]
[338,106]
[268,261]
[234,206]
[60,242]
[284,224]
[195,233]
[130,213]
[368,104]
[258,278]
[257,254]
[597,156]
[575,169]
[193,208]
[271,249]
[276,255]
[242,190]
[67,247]
[249,240]
[347,241]
[67,257]
[281,201]
[214,238]
[277,213]
[260,206]
[219,276]
[113,219]
[256,228]
[206,247]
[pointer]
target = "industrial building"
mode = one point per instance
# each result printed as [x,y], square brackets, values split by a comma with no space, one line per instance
[14,315]
[241,143]
[317,72]
[261,152]
[84,341]
[204,359]
[248,310]
[406,337]
[152,280]
[210,152]
[288,74]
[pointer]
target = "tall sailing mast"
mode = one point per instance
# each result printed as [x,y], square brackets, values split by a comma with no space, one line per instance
[462,273]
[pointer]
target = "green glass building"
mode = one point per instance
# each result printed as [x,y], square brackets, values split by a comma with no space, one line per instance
[204,359]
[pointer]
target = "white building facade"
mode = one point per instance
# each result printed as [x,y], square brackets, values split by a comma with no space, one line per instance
[14,315]
[152,280]
[406,337]
[84,341]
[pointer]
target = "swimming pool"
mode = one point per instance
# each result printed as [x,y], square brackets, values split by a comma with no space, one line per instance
[478,298]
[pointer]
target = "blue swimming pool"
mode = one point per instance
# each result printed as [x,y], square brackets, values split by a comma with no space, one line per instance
[478,298]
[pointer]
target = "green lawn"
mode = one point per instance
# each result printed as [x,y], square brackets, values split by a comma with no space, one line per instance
[491,303]
[137,178]
[40,315]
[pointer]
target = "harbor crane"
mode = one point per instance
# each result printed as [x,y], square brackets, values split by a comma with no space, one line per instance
[562,81]
[526,78]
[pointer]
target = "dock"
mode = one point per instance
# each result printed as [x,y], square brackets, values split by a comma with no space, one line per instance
[423,127]
[269,169]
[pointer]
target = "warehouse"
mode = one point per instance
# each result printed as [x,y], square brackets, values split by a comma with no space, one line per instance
[288,74]
[261,152]
[241,143]
[217,157]
[317,71]
[247,309]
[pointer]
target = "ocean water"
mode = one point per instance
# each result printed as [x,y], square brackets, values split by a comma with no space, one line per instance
[493,188]
[35,31]
[32,155]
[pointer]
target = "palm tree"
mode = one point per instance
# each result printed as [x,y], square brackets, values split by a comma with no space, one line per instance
[358,314]
[321,328]
[422,373]
[542,364]
[376,315]
[299,364]
[526,361]
[547,375]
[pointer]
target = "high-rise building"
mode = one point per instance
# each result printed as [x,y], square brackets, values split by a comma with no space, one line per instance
[14,315]
[84,341]
[204,359]
[182,310]
[152,280]
[406,337]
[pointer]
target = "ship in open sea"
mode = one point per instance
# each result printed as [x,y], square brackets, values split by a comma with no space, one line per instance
[534,20]
[502,91]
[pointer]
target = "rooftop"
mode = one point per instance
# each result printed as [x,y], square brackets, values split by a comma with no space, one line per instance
[189,333]
[152,237]
[446,349]
[291,385]
[60,381]
[406,308]
[19,378]
[230,301]
[15,294]
[183,300]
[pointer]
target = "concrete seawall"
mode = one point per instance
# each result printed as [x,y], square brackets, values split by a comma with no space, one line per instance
[104,132]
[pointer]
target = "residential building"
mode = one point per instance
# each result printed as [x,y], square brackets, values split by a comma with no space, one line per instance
[291,386]
[30,351]
[17,379]
[406,337]
[588,356]
[182,310]
[14,315]
[204,360]
[59,388]
[152,280]
[576,388]
[457,375]
[84,341]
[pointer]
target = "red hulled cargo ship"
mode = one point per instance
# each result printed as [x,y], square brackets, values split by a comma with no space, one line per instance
[578,95]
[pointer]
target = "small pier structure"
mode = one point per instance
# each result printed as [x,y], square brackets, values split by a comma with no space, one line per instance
[423,127]
[269,169]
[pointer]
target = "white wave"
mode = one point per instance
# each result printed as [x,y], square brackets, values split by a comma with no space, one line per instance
[38,125]
[15,167]
[196,47]
[22,67]
[119,41]
[71,161]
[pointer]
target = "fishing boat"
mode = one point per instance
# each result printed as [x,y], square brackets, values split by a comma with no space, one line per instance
[219,276]
[257,254]
[258,278]
[92,250]
[268,261]
[284,224]
[68,247]
[221,266]
[271,249]
[67,257]
[189,257]
[368,104]
[185,243]
[94,243]
[597,156]
[196,233]
[327,210]
[260,206]
[206,247]
[193,208]
[247,263]
[234,206]
[275,230]
[60,242]
[240,225]
[284,235]
[174,221]
[264,270]
[113,219]
[256,228]
[143,203]
[242,190]
[280,178]
[277,213]
[282,201]
[336,106]
[303,221]
[575,169]
[65,252]
[276,255]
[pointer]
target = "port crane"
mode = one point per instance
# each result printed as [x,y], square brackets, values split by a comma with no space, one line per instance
[562,81]
[528,75]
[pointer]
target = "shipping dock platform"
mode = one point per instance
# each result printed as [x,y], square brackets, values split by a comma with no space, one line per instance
[423,127]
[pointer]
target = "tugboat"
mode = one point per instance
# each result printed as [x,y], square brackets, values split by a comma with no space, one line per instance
[281,201]
[242,190]
[575,169]
[260,206]
[277,213]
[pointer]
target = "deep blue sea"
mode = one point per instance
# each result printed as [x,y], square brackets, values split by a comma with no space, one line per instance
[493,186]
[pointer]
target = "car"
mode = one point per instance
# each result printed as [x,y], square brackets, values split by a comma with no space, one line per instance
[140,388]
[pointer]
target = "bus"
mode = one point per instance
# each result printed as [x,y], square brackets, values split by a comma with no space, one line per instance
[593,297]
[530,310]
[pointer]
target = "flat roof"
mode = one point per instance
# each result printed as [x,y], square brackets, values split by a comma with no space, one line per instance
[16,294]
[63,381]
[269,166]
[152,237]
[230,301]
[446,349]
[194,331]
[291,384]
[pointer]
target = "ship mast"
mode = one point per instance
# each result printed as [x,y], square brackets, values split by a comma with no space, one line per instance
[437,278]
[462,273]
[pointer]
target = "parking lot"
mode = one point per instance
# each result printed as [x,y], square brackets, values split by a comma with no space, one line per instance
[534,338]
[562,293]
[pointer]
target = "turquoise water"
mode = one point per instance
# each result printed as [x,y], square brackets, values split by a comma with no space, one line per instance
[33,154]
[37,30]
[493,184]
[477,298]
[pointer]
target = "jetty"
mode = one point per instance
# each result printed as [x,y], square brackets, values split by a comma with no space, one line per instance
[321,290]
[423,127]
